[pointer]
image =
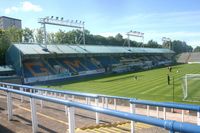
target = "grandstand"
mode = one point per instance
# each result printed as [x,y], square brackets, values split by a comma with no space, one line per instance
[63,61]
[189,57]
[34,63]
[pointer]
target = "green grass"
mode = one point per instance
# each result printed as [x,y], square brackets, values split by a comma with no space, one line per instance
[150,85]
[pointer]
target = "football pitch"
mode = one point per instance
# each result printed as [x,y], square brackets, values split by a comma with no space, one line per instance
[149,85]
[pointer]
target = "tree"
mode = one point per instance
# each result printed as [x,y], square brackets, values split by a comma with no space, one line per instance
[197,49]
[153,44]
[180,47]
[39,36]
[61,37]
[28,35]
[119,37]
[4,45]
[14,34]
[51,38]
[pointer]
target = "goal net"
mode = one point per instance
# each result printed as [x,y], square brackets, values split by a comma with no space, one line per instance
[191,87]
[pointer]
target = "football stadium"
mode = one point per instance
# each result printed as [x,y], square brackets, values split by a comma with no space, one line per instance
[102,79]
[89,88]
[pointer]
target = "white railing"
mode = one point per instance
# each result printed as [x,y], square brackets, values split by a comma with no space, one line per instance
[172,126]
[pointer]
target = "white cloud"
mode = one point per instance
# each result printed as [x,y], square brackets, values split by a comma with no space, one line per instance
[24,6]
[28,6]
[11,9]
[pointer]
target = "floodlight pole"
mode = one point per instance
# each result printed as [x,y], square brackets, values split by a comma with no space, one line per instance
[45,35]
[83,34]
[165,40]
[135,34]
[129,40]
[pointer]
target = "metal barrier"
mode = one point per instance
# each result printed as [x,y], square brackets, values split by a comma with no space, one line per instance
[172,126]
[168,105]
[105,99]
[88,96]
[49,90]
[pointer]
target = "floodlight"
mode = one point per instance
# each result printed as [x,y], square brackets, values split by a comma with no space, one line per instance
[60,22]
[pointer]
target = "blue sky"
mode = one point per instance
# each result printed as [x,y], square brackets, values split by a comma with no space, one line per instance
[176,19]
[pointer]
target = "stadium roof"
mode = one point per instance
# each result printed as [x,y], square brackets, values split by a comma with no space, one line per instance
[35,49]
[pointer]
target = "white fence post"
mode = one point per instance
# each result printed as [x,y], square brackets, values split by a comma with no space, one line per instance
[9,105]
[132,110]
[71,120]
[115,103]
[22,98]
[148,110]
[106,99]
[33,115]
[97,114]
[46,93]
[103,102]
[66,108]
[164,113]
[198,118]
[182,118]
[73,98]
[157,108]
[89,101]
[86,99]
[41,101]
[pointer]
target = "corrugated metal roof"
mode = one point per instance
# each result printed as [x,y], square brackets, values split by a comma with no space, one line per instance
[32,49]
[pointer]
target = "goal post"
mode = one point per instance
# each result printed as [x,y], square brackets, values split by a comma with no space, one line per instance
[191,87]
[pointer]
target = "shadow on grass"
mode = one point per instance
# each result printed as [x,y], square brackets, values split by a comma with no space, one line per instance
[84,79]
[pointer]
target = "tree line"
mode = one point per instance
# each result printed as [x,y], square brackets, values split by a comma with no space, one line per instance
[26,35]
